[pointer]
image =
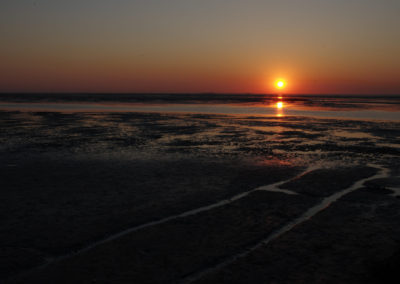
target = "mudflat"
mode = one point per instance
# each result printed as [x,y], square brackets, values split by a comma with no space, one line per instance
[108,197]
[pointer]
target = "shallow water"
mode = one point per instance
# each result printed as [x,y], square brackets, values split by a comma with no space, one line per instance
[374,108]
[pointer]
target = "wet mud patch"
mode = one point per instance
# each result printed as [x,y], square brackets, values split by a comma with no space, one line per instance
[184,143]
[387,133]
[346,243]
[89,175]
[361,148]
[168,252]
[390,182]
[45,200]
[255,150]
[300,134]
[16,259]
[161,133]
[325,182]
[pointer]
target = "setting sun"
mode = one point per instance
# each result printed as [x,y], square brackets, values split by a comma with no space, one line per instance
[280,84]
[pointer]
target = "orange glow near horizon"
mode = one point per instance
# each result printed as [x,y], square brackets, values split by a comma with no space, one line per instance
[139,47]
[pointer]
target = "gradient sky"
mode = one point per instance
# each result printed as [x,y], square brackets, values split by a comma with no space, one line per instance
[325,46]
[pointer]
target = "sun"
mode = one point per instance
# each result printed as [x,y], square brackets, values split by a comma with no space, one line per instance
[280,84]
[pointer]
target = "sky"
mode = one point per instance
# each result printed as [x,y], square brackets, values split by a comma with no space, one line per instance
[189,46]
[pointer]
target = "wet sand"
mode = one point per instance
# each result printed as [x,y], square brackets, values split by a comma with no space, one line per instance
[180,198]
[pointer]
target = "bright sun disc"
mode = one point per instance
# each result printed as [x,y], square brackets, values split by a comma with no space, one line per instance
[280,84]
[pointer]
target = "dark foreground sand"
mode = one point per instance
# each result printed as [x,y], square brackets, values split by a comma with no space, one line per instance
[70,181]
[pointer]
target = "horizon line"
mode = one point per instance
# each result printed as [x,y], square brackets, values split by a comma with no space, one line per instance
[194,93]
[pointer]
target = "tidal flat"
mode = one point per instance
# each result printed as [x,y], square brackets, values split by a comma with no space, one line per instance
[147,197]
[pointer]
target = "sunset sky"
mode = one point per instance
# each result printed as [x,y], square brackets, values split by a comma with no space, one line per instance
[224,46]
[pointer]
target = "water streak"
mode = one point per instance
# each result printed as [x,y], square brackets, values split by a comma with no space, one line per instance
[271,187]
[396,191]
[383,173]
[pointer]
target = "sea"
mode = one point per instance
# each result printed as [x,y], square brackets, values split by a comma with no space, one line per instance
[365,107]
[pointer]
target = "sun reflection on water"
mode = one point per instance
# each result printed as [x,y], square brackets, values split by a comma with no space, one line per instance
[279,107]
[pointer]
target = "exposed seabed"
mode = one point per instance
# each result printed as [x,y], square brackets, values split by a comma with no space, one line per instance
[169,198]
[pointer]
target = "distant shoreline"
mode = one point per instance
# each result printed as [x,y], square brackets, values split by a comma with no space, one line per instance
[176,97]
